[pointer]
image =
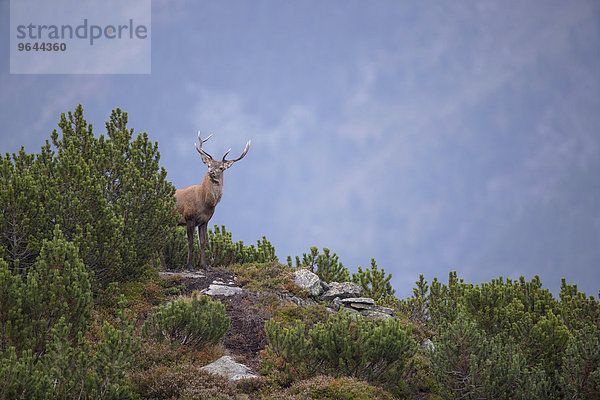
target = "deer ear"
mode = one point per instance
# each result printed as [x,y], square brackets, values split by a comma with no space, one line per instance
[206,159]
[227,163]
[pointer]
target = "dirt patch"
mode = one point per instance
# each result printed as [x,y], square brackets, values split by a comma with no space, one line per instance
[246,335]
[248,312]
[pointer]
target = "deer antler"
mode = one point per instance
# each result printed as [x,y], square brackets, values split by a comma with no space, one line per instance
[200,149]
[240,157]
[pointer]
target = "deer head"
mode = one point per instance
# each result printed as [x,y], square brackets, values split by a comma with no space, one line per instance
[216,168]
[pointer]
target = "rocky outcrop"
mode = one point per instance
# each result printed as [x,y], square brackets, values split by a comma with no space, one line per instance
[343,295]
[225,366]
[308,280]
[342,290]
[366,307]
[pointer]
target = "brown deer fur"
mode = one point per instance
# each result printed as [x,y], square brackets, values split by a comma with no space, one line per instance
[196,204]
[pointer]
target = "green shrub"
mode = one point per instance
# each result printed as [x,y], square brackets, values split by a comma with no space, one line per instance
[519,330]
[43,324]
[415,307]
[470,365]
[195,322]
[56,287]
[108,194]
[328,267]
[581,370]
[176,247]
[374,282]
[376,351]
[220,249]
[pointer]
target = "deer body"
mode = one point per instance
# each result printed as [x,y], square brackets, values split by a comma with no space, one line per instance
[196,204]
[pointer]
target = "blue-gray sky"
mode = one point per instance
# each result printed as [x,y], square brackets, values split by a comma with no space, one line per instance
[431,136]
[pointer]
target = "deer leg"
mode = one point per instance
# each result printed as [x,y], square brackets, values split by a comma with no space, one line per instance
[202,237]
[190,235]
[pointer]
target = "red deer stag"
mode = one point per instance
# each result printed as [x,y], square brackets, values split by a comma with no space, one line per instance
[196,204]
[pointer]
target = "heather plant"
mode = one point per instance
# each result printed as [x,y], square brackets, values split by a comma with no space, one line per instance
[195,322]
[328,267]
[327,387]
[267,276]
[374,281]
[108,194]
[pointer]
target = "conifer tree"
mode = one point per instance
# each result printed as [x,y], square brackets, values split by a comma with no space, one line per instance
[374,282]
[328,266]
[108,194]
[43,322]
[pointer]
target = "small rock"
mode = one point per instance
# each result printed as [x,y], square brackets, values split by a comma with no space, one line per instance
[183,274]
[428,345]
[337,303]
[342,290]
[372,314]
[225,366]
[362,300]
[297,300]
[384,310]
[353,313]
[308,280]
[360,306]
[222,290]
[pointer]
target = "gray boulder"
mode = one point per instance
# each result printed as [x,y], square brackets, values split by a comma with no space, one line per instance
[222,290]
[308,280]
[225,366]
[342,290]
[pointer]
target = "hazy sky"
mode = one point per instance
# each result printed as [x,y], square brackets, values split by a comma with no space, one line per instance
[431,136]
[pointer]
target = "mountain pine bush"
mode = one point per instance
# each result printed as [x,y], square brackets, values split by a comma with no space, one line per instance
[376,351]
[328,266]
[44,320]
[195,322]
[374,282]
[494,333]
[108,194]
[220,249]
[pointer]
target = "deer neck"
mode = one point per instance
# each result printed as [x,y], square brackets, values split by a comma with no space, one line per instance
[212,191]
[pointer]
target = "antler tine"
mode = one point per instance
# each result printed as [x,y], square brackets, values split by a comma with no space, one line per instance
[200,149]
[243,153]
[225,155]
